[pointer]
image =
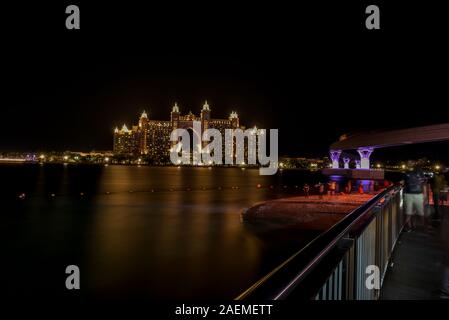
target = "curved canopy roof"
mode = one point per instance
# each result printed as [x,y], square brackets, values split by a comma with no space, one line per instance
[433,133]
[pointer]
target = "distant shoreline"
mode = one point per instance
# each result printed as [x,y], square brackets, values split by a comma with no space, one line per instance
[149,165]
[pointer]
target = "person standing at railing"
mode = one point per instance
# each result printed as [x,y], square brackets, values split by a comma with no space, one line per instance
[414,198]
[437,183]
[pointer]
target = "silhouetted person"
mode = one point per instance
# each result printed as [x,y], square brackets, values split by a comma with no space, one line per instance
[437,184]
[320,188]
[348,187]
[360,189]
[414,198]
[306,190]
[332,186]
[371,186]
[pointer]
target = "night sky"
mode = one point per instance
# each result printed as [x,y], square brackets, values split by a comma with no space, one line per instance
[311,71]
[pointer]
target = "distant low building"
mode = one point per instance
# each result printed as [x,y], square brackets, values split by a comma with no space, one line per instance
[304,163]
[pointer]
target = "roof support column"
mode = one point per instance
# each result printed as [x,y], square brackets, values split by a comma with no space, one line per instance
[346,162]
[365,154]
[335,157]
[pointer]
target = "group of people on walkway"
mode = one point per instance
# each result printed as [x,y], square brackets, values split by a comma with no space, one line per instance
[321,189]
[417,189]
[332,188]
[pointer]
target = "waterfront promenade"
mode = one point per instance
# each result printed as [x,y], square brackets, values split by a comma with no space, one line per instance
[416,266]
[411,264]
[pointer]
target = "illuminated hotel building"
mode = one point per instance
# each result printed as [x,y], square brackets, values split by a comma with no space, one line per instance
[152,137]
[125,140]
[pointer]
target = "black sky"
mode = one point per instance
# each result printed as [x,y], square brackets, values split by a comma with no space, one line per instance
[312,71]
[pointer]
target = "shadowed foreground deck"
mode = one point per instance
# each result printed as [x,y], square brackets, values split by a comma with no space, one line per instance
[416,266]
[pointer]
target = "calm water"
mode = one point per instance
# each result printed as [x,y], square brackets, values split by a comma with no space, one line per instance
[149,232]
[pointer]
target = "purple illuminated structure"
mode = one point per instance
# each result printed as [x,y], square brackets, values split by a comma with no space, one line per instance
[346,162]
[365,143]
[365,153]
[335,157]
[362,167]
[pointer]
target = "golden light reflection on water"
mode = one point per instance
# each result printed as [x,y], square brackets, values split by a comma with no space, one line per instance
[147,232]
[177,243]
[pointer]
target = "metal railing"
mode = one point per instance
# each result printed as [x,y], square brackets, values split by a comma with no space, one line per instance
[334,265]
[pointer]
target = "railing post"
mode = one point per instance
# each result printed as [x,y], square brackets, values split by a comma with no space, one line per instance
[365,255]
[348,270]
[379,236]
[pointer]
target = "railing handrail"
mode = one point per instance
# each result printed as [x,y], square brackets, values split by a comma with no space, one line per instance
[283,279]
